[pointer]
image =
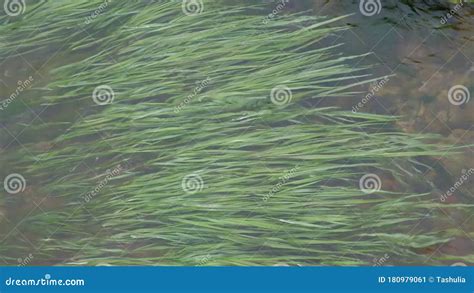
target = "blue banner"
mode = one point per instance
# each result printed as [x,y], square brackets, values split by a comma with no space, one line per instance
[237,279]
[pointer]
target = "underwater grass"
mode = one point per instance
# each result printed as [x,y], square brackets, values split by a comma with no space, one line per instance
[229,177]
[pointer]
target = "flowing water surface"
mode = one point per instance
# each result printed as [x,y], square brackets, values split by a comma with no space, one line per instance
[422,48]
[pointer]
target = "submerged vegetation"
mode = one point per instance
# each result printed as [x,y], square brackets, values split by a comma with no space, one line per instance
[198,140]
